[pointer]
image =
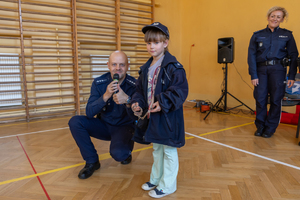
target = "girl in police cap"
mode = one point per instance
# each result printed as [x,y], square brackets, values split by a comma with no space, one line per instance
[268,51]
[161,91]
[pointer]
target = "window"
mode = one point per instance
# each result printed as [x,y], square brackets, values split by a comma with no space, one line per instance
[10,73]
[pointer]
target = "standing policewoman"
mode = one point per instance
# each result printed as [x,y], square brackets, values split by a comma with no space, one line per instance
[268,50]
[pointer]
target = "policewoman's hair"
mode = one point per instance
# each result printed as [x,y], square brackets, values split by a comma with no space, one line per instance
[278,8]
[155,35]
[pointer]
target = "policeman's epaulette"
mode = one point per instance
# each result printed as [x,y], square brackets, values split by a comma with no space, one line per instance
[131,82]
[101,80]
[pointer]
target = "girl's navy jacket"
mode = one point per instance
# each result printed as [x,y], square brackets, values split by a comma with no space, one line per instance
[167,126]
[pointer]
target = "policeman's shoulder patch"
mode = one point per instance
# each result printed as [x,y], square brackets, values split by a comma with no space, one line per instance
[130,80]
[101,80]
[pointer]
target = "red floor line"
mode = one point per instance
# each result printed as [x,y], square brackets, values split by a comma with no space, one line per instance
[34,171]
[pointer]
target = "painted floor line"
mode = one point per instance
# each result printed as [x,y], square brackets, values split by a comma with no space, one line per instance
[103,157]
[68,127]
[32,122]
[225,129]
[40,181]
[33,132]
[107,156]
[241,116]
[247,152]
[8,136]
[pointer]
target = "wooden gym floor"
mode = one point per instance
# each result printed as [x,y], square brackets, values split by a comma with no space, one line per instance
[222,159]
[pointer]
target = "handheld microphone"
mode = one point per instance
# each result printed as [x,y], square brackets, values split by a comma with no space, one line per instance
[116,78]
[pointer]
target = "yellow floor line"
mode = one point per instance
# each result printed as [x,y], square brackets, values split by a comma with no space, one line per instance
[292,125]
[226,129]
[235,115]
[106,156]
[39,174]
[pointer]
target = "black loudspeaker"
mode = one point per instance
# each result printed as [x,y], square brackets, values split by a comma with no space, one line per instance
[225,50]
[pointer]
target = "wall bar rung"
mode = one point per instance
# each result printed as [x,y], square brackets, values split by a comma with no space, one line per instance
[95,3]
[54,96]
[91,33]
[137,10]
[57,88]
[9,19]
[46,5]
[47,56]
[12,108]
[92,18]
[53,104]
[95,11]
[138,3]
[49,72]
[7,91]
[50,113]
[49,81]
[45,39]
[45,22]
[48,31]
[45,13]
[93,26]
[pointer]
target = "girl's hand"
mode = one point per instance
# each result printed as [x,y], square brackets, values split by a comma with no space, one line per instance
[155,107]
[136,109]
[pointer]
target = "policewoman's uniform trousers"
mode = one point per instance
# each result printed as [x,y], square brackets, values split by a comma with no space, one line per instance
[271,80]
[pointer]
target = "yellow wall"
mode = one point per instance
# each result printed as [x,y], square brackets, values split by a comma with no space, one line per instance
[202,22]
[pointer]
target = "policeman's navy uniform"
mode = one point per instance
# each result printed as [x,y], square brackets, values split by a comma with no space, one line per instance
[112,122]
[266,51]
[166,128]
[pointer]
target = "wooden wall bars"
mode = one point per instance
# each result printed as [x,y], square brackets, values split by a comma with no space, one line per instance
[50,51]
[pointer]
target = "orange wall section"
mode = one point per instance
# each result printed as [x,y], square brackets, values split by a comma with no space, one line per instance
[202,22]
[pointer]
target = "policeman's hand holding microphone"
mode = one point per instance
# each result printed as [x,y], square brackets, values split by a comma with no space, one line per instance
[119,95]
[110,89]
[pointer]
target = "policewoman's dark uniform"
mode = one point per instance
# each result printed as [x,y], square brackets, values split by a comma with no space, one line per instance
[112,122]
[266,51]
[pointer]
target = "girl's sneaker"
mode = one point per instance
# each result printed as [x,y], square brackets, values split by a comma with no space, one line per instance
[157,193]
[148,186]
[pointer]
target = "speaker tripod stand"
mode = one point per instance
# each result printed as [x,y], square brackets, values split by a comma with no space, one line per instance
[224,96]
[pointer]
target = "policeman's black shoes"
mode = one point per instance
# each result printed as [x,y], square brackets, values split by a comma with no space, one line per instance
[259,131]
[88,170]
[127,161]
